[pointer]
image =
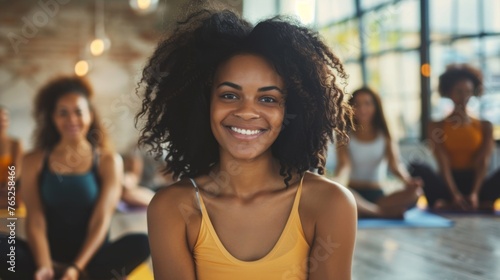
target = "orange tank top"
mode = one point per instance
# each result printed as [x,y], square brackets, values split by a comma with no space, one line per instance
[5,161]
[462,142]
[287,259]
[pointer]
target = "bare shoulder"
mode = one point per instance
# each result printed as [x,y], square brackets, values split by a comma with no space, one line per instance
[16,142]
[434,124]
[109,157]
[33,160]
[176,198]
[486,125]
[321,194]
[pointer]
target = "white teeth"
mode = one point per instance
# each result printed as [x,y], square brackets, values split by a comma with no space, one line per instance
[245,131]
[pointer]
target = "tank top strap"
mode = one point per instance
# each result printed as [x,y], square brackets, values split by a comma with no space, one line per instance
[95,164]
[197,192]
[298,194]
[45,166]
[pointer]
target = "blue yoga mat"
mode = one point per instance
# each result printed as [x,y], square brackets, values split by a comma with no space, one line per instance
[414,218]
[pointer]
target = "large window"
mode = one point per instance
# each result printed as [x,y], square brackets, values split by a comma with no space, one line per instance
[379,41]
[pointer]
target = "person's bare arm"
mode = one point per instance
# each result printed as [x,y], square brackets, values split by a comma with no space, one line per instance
[133,170]
[397,167]
[483,156]
[436,138]
[110,172]
[172,258]
[36,226]
[335,233]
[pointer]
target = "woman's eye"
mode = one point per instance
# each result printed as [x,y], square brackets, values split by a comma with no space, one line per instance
[268,99]
[228,96]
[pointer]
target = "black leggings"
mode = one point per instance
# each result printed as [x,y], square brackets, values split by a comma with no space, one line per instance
[435,187]
[114,260]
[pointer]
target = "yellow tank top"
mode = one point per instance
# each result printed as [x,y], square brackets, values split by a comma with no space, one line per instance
[286,260]
[462,142]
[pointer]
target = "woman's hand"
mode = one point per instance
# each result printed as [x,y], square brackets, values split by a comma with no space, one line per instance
[473,200]
[459,201]
[71,274]
[44,273]
[414,183]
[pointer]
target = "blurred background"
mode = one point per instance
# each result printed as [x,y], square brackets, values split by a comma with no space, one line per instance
[397,47]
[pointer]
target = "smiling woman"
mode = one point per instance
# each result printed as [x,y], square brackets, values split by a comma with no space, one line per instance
[244,113]
[71,184]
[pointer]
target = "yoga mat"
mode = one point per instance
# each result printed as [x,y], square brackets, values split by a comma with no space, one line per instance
[413,218]
[462,213]
[126,208]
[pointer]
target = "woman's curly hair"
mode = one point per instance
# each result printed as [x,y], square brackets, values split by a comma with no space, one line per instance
[458,72]
[46,135]
[178,81]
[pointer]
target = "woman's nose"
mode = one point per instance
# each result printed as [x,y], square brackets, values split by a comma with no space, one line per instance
[247,111]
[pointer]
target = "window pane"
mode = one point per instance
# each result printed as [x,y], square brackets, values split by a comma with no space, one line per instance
[491,20]
[490,101]
[467,17]
[343,39]
[355,79]
[394,26]
[396,77]
[331,11]
[304,10]
[256,10]
[441,23]
[367,4]
[409,24]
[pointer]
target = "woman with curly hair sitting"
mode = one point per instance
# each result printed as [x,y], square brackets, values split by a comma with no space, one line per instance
[462,146]
[71,184]
[244,112]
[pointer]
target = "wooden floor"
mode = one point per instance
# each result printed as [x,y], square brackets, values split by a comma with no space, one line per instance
[469,250]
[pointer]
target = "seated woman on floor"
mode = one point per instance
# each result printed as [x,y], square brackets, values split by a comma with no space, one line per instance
[71,185]
[462,146]
[361,163]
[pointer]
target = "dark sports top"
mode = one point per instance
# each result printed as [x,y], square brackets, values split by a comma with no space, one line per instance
[68,201]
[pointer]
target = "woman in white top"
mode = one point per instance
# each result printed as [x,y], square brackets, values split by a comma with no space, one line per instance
[362,163]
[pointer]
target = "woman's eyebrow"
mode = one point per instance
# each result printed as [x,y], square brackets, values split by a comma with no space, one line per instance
[229,84]
[270,88]
[238,87]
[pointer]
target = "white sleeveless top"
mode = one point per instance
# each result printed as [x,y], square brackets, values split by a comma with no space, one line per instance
[368,162]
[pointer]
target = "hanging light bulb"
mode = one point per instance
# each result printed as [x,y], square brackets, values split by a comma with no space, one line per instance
[101,42]
[99,45]
[143,6]
[81,68]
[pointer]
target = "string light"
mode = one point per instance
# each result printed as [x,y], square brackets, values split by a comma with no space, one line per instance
[81,68]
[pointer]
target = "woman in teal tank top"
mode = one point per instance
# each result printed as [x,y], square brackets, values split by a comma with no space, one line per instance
[71,185]
[245,112]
